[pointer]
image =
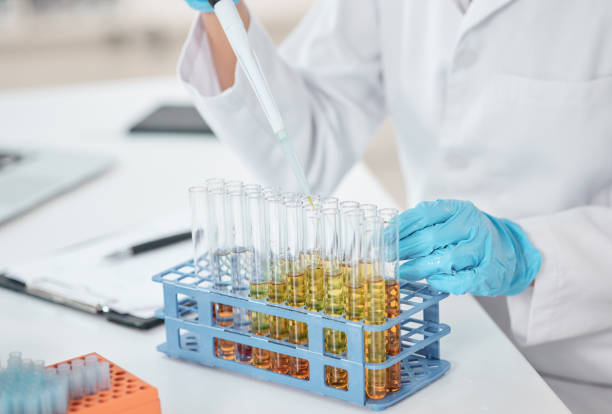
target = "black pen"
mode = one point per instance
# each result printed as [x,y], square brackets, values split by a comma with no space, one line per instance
[149,245]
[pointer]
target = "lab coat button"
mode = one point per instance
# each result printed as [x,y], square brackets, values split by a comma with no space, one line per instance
[465,59]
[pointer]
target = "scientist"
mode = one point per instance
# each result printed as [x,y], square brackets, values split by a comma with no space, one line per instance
[502,108]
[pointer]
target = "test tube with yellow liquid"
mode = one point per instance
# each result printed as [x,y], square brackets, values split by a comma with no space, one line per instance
[296,279]
[277,288]
[312,256]
[390,269]
[258,289]
[242,263]
[335,341]
[220,243]
[351,220]
[371,268]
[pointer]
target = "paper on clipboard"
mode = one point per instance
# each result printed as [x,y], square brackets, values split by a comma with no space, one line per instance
[88,280]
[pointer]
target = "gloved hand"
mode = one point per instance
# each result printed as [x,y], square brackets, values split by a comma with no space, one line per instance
[457,248]
[202,5]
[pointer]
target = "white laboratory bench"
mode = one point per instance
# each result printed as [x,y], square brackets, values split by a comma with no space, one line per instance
[150,179]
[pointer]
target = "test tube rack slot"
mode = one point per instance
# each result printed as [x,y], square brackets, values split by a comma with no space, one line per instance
[190,333]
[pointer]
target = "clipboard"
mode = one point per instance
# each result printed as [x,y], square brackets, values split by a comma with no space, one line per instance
[124,319]
[83,278]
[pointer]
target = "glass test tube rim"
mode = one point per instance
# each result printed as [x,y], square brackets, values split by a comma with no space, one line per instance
[348,205]
[388,215]
[198,192]
[215,183]
[331,200]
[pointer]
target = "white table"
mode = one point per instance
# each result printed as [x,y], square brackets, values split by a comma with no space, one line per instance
[150,179]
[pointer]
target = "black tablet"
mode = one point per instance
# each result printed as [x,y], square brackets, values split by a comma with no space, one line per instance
[173,119]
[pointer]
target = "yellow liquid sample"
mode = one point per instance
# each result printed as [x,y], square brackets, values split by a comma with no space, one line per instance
[393,340]
[374,347]
[335,341]
[314,289]
[260,325]
[355,303]
[260,322]
[311,202]
[279,329]
[298,331]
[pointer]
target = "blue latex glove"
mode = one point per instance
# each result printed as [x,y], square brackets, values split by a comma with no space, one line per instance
[202,5]
[457,248]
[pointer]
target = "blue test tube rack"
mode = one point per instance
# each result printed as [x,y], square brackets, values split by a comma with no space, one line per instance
[190,333]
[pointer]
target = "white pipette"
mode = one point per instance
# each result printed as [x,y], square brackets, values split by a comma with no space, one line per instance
[230,21]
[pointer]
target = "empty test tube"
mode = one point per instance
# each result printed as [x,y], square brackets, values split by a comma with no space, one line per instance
[260,322]
[91,374]
[104,382]
[14,360]
[292,254]
[220,243]
[77,379]
[242,253]
[333,279]
[198,207]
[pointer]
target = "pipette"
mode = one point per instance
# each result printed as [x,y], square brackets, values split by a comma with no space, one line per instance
[230,21]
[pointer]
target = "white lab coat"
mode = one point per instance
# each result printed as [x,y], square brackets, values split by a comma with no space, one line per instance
[508,105]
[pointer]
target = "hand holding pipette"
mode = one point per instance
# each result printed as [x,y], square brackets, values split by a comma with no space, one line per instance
[236,34]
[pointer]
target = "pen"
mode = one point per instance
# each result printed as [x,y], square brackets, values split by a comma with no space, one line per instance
[149,245]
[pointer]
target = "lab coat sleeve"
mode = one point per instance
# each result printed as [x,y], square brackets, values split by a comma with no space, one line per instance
[326,78]
[572,294]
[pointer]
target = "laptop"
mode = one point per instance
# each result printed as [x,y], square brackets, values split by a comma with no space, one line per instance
[29,177]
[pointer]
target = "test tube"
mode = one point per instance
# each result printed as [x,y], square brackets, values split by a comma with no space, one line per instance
[270,190]
[198,206]
[344,207]
[312,256]
[296,280]
[329,202]
[91,374]
[77,379]
[353,278]
[104,381]
[14,361]
[390,269]
[348,205]
[277,290]
[220,243]
[369,210]
[260,322]
[316,201]
[333,280]
[371,267]
[242,253]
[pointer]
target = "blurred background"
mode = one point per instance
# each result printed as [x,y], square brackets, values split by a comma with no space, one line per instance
[55,42]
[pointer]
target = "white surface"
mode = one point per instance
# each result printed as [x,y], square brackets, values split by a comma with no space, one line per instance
[487,374]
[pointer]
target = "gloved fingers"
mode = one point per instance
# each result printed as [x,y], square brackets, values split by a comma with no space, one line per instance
[202,5]
[425,214]
[457,284]
[423,242]
[448,261]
